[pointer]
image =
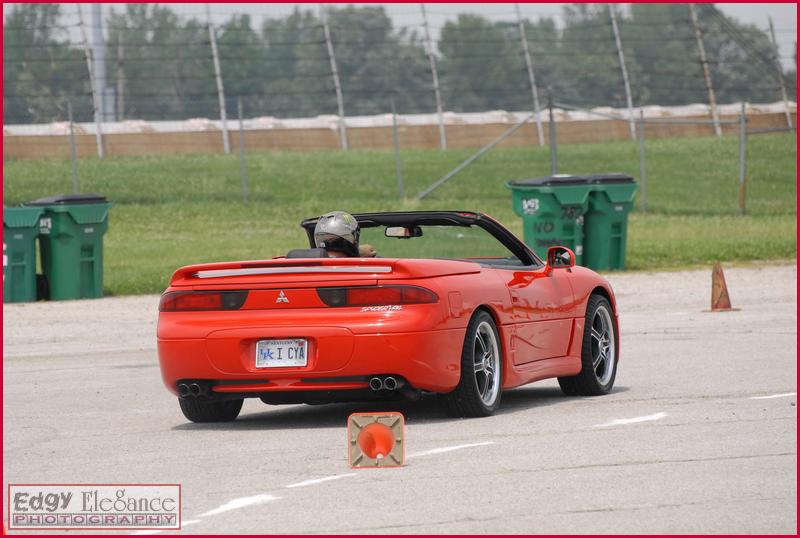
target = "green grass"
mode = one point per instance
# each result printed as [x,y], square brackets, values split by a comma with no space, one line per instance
[171,211]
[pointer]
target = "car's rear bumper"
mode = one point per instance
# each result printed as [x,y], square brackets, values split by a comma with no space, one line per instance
[338,360]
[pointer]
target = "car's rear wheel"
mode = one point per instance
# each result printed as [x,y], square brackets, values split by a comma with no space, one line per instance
[599,353]
[478,391]
[198,410]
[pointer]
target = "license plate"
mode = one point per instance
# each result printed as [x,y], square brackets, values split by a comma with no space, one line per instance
[281,353]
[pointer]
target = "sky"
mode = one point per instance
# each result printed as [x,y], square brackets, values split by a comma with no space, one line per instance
[784,15]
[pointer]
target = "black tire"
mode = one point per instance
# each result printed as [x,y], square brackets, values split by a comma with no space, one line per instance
[467,400]
[198,410]
[594,378]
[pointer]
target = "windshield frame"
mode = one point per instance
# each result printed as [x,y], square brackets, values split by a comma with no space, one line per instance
[441,218]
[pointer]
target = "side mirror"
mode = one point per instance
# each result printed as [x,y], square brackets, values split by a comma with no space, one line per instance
[560,257]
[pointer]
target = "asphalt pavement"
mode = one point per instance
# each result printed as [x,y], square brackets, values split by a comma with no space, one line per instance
[698,436]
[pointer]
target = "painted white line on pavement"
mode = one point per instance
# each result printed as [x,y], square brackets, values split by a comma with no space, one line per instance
[241,502]
[447,449]
[623,421]
[771,396]
[319,480]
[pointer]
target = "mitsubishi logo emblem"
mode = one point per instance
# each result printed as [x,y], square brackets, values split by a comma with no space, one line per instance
[282,298]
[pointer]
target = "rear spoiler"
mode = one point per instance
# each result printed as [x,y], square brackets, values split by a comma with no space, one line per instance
[248,271]
[192,274]
[285,270]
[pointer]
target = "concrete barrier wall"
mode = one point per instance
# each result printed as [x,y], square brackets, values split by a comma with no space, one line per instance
[411,137]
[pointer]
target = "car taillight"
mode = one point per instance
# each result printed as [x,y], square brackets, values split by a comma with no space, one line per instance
[376,295]
[176,301]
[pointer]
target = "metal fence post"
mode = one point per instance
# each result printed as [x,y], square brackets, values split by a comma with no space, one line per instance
[396,140]
[242,159]
[73,152]
[99,60]
[98,113]
[337,85]
[642,165]
[776,55]
[712,100]
[742,159]
[120,97]
[435,75]
[531,76]
[223,115]
[626,83]
[551,131]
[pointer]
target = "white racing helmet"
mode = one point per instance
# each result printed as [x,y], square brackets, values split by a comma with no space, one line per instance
[337,231]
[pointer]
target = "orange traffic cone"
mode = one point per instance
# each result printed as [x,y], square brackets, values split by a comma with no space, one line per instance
[720,300]
[376,439]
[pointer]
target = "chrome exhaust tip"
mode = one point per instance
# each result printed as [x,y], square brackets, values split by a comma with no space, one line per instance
[376,384]
[183,390]
[195,389]
[390,383]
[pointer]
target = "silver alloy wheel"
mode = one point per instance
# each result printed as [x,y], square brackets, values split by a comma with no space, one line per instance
[603,345]
[486,361]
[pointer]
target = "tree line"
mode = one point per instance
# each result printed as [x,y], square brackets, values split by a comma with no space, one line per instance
[159,64]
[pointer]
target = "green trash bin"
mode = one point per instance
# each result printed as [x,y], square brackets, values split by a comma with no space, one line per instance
[71,242]
[20,229]
[606,221]
[552,210]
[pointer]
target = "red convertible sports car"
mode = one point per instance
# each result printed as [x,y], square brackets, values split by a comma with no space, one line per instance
[452,304]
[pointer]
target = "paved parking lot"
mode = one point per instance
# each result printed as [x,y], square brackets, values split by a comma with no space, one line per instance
[699,436]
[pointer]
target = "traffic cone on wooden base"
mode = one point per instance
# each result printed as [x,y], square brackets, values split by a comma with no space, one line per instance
[720,300]
[376,439]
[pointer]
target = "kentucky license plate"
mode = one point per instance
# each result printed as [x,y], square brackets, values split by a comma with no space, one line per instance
[281,353]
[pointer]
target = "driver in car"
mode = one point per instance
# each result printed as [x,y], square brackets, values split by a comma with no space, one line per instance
[338,232]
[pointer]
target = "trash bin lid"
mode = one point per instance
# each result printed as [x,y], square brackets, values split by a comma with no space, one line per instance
[21,217]
[610,178]
[556,180]
[69,199]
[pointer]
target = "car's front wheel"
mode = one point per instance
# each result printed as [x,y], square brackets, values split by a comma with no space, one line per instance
[199,410]
[599,354]
[478,390]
